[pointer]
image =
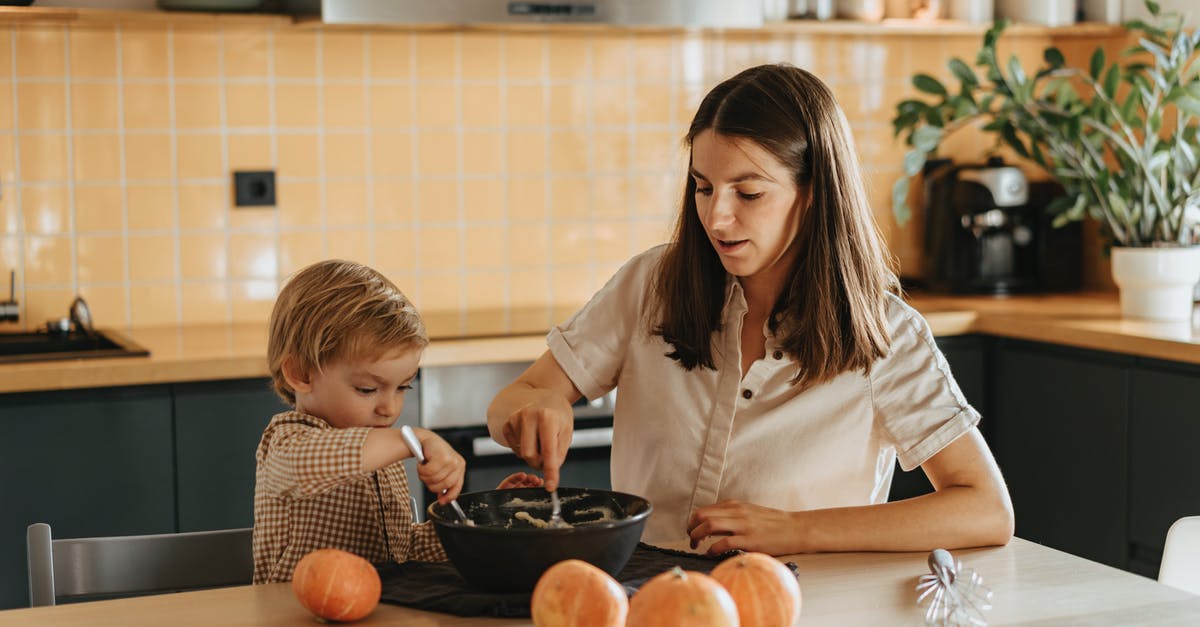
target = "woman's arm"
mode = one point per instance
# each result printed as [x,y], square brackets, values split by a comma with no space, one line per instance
[533,416]
[971,507]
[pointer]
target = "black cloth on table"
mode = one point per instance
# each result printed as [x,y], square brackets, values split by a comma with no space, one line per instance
[437,586]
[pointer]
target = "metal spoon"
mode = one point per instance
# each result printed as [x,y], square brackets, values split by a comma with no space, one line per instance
[556,520]
[414,445]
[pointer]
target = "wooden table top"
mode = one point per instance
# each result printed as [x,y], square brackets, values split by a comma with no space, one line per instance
[1032,585]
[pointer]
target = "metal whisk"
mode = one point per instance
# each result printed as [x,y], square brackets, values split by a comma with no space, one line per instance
[956,594]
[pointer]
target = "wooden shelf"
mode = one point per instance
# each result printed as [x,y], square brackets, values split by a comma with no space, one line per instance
[17,16]
[116,17]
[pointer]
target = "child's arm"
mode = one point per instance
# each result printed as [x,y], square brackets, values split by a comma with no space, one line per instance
[300,460]
[442,471]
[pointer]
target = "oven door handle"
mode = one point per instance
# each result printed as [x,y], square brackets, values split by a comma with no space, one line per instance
[584,438]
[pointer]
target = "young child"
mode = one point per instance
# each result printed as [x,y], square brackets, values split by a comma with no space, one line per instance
[344,346]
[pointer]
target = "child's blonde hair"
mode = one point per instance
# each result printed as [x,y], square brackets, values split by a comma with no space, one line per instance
[338,309]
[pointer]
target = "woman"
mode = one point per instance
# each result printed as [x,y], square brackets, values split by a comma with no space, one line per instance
[769,374]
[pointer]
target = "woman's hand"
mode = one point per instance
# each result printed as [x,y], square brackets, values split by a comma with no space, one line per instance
[745,526]
[520,480]
[539,432]
[443,469]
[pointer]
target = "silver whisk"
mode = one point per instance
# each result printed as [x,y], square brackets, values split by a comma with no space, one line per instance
[956,595]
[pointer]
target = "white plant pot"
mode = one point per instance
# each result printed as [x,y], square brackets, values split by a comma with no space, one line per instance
[1156,283]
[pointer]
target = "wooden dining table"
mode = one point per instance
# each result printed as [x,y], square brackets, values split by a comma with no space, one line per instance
[1031,584]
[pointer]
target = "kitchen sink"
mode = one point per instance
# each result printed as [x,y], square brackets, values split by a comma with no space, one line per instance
[44,346]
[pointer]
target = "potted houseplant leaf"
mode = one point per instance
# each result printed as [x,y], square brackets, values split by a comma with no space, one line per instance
[1120,137]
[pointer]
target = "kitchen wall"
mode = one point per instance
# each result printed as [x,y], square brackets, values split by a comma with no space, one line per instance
[498,177]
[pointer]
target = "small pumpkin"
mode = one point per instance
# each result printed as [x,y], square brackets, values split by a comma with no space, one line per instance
[682,598]
[574,593]
[765,591]
[336,585]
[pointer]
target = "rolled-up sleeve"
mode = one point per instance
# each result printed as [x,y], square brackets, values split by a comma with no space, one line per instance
[918,405]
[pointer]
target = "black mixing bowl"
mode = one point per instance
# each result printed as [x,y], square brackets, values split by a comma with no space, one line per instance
[504,552]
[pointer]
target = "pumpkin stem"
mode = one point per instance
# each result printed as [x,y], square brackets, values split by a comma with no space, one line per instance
[679,573]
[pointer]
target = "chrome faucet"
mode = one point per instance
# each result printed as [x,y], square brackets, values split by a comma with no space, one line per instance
[10,311]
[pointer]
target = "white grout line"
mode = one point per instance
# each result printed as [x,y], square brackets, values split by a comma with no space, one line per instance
[460,170]
[18,289]
[273,133]
[505,205]
[229,280]
[175,235]
[322,157]
[633,211]
[70,173]
[369,146]
[589,178]
[417,295]
[547,183]
[127,269]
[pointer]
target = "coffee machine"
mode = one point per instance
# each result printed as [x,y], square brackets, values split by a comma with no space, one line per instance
[987,232]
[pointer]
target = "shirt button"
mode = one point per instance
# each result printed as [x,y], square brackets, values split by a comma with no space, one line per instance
[777,354]
[746,394]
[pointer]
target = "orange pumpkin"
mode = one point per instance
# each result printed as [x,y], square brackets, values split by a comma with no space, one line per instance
[574,593]
[765,591]
[682,598]
[336,585]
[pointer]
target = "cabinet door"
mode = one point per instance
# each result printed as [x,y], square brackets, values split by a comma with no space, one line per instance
[1060,436]
[1164,433]
[89,463]
[217,428]
[967,356]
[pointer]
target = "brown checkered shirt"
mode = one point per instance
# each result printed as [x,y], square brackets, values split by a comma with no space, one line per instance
[311,493]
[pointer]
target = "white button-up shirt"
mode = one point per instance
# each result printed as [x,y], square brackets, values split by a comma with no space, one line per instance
[684,439]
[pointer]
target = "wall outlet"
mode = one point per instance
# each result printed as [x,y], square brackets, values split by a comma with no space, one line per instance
[254,188]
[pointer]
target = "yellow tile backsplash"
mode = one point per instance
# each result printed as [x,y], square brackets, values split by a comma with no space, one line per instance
[498,177]
[93,53]
[149,207]
[196,54]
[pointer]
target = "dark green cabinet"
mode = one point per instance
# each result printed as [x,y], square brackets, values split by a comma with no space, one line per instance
[967,356]
[1095,447]
[88,462]
[1164,480]
[217,428]
[1061,439]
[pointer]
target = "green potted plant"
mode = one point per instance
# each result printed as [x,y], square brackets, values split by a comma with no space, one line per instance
[1120,137]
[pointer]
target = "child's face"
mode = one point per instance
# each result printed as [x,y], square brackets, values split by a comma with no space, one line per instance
[360,393]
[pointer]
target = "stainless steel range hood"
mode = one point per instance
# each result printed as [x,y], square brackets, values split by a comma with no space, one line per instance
[687,13]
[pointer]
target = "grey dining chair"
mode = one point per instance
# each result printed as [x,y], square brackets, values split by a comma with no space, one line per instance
[129,565]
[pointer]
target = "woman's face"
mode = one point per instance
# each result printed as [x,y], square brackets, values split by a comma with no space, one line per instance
[748,203]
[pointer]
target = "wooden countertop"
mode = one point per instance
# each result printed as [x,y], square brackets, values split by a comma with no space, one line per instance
[1031,584]
[215,352]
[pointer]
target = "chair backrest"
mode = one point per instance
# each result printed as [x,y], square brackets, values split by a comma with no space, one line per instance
[1181,555]
[122,565]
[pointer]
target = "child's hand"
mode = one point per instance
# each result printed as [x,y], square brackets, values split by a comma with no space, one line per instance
[443,469]
[520,480]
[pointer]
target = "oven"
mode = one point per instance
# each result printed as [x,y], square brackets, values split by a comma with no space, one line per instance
[453,403]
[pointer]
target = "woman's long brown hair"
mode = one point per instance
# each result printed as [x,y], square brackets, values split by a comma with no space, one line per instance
[831,315]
